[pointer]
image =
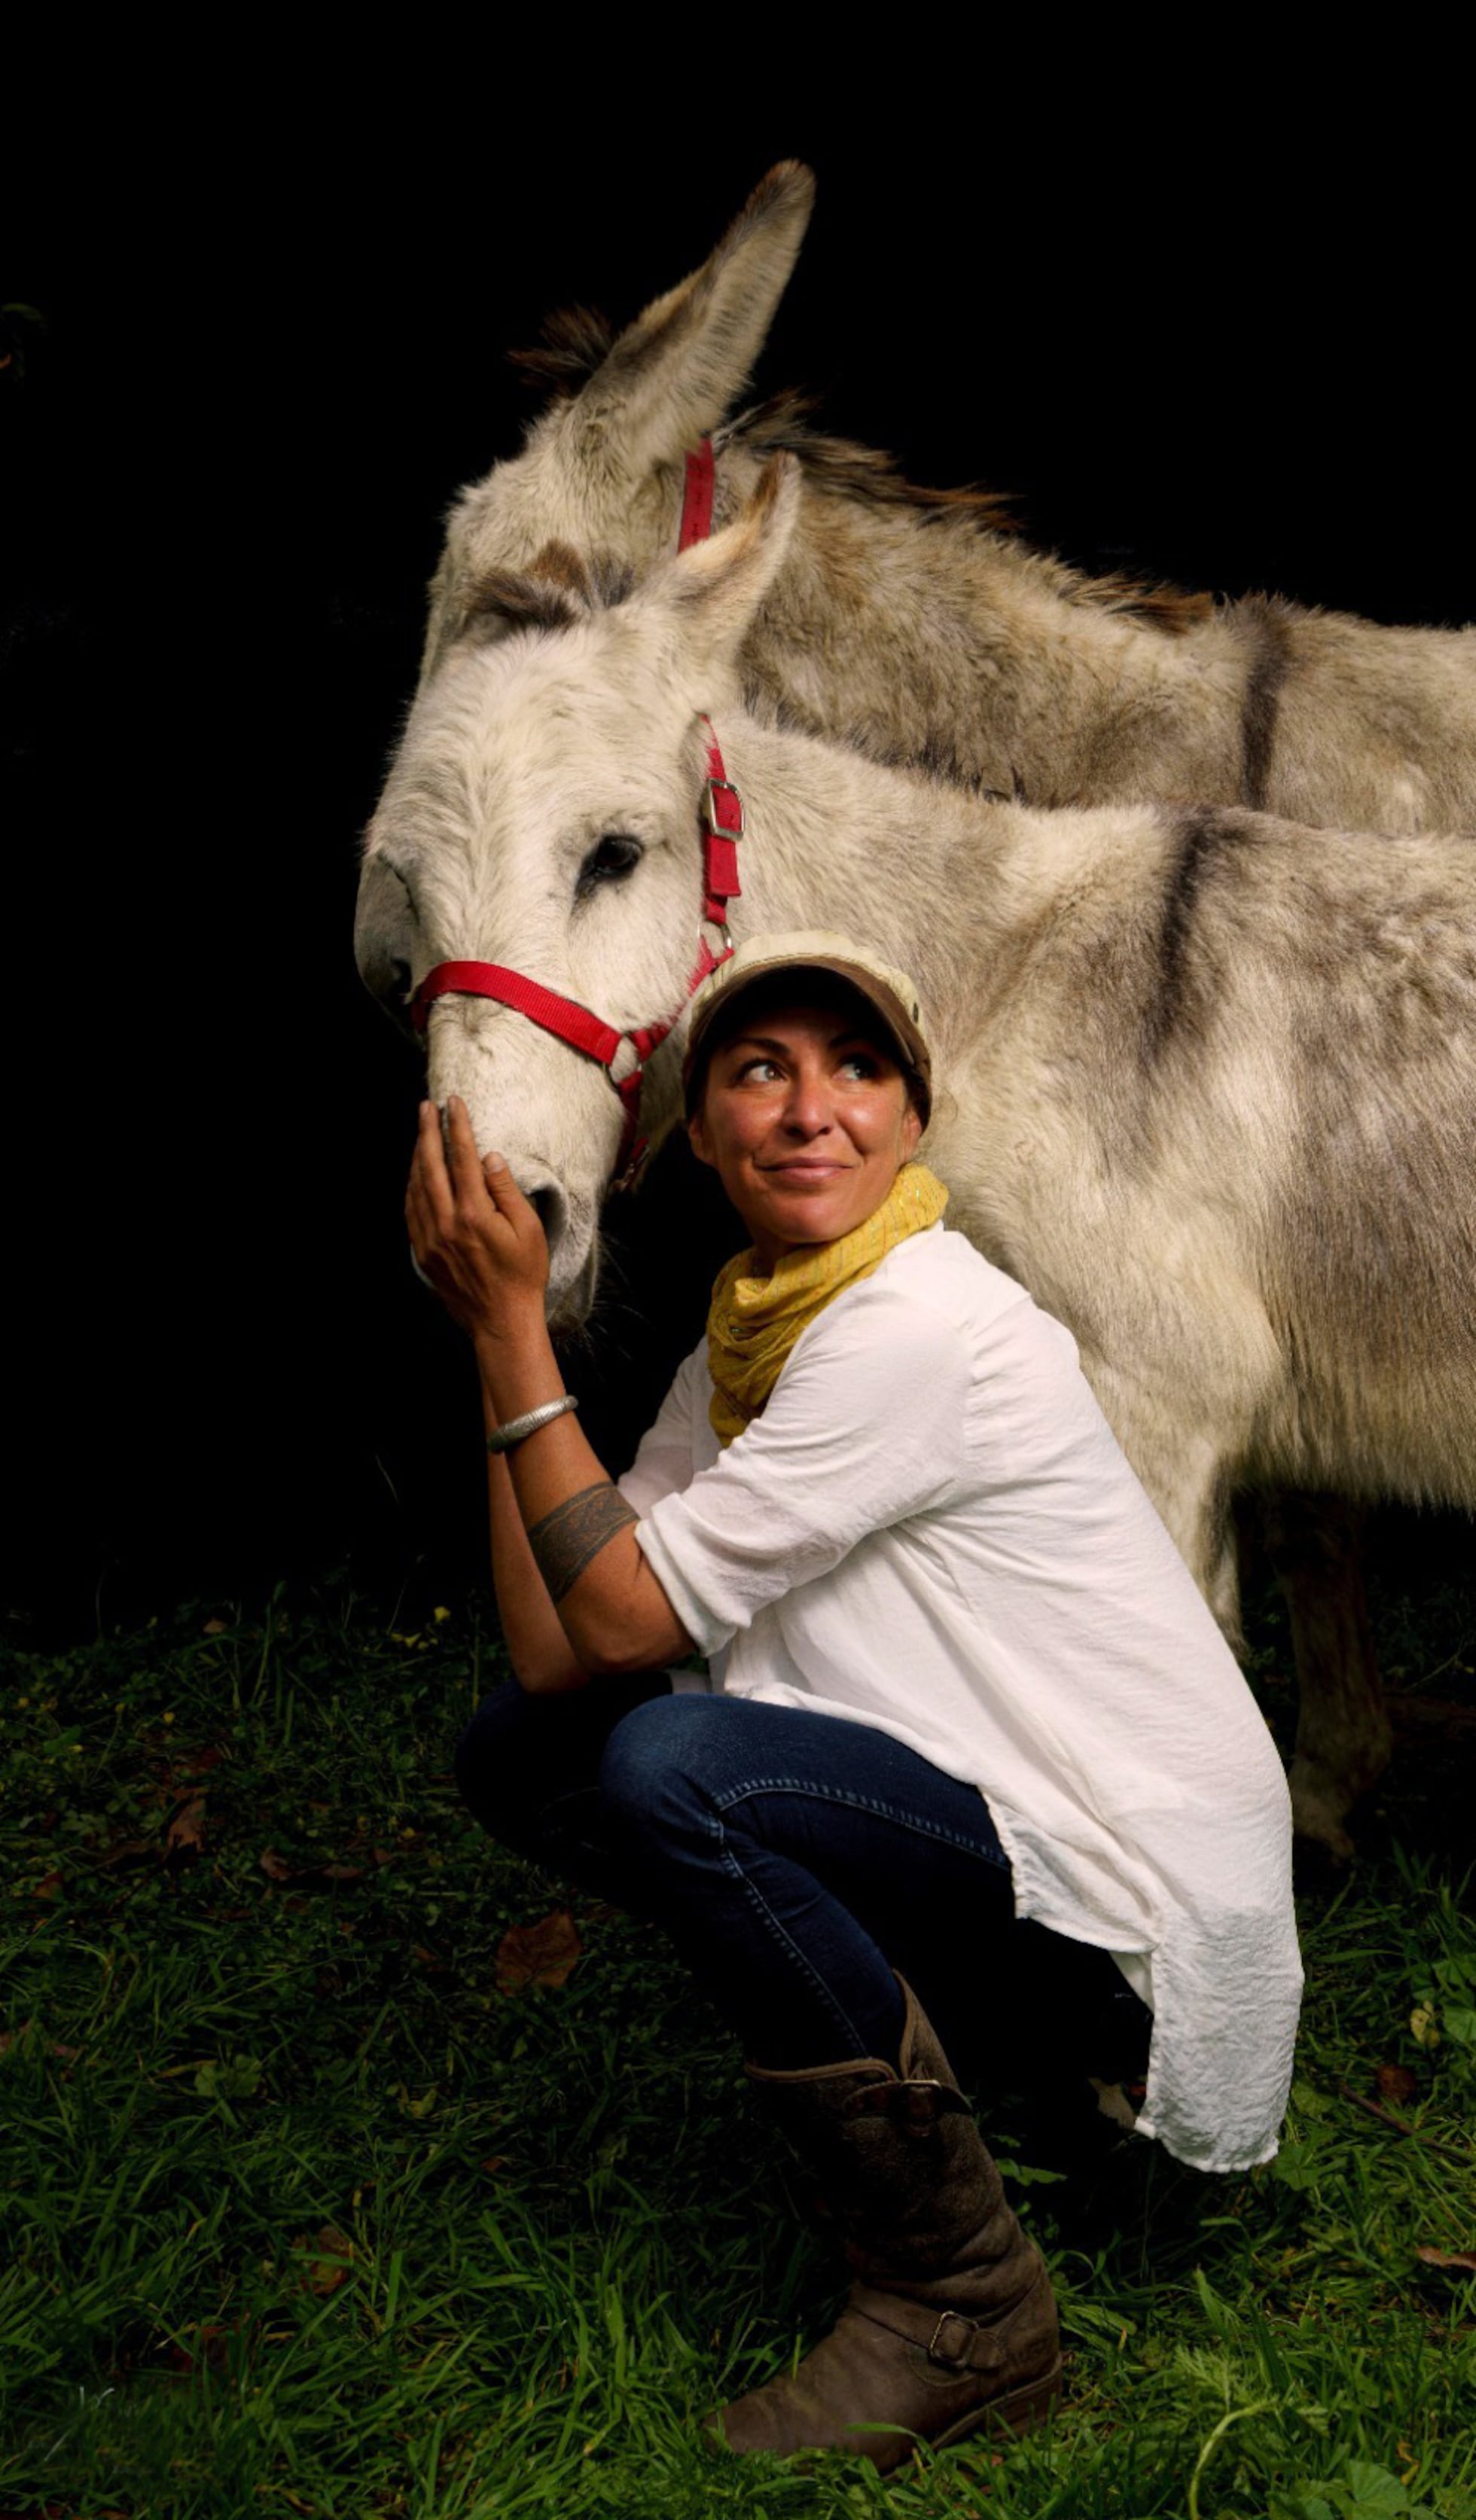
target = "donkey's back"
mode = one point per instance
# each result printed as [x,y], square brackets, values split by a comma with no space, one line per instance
[1222,1114]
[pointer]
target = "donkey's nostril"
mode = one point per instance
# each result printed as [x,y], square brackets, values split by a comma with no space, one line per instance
[549,1205]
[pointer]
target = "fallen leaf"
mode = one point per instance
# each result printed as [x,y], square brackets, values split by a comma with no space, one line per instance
[1463,2259]
[1424,2029]
[1396,2083]
[186,1832]
[213,1627]
[327,2259]
[48,1886]
[233,2078]
[277,1869]
[541,1954]
[494,2162]
[208,2349]
[128,1850]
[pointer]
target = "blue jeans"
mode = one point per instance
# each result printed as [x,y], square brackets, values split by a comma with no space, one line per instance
[799,1863]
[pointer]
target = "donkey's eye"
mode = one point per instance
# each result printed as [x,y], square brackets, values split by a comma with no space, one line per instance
[611,857]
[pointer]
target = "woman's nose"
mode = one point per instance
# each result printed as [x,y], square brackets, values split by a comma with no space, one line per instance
[808,1111]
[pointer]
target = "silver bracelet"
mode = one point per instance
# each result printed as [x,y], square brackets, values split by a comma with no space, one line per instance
[502,1438]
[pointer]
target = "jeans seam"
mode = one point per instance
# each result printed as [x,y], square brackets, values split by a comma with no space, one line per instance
[815,1792]
[786,1942]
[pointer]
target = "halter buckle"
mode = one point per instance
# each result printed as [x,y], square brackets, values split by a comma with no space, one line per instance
[722,830]
[631,1170]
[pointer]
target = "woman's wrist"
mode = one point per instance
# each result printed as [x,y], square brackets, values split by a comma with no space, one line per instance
[517,1367]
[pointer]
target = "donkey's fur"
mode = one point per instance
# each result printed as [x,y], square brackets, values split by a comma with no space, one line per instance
[914,626]
[1209,1076]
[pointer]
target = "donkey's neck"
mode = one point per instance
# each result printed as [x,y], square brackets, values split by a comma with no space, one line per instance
[919,638]
[930,877]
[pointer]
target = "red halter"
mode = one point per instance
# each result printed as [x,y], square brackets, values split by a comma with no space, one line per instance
[721,814]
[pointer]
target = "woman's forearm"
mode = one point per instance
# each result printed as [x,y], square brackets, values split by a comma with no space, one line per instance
[538,1650]
[577,1530]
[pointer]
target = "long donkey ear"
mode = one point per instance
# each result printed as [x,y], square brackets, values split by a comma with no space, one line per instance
[713,591]
[680,366]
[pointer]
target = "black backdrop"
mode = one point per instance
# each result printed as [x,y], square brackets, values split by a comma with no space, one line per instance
[266,365]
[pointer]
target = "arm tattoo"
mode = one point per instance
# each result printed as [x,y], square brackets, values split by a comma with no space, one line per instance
[565,1540]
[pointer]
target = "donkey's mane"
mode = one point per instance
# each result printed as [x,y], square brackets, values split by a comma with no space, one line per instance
[578,340]
[782,424]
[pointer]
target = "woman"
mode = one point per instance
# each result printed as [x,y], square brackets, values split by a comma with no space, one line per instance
[956,1672]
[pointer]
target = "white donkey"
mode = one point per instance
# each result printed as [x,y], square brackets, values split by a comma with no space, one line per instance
[1211,1078]
[912,625]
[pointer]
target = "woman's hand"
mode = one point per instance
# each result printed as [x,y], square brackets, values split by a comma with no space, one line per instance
[478,1241]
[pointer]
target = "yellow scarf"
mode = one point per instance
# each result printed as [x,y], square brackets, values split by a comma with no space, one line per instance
[754,1321]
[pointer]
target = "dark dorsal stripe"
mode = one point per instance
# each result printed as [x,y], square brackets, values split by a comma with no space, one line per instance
[1266,624]
[1201,838]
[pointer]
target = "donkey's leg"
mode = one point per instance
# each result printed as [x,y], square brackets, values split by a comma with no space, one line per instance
[1343,1735]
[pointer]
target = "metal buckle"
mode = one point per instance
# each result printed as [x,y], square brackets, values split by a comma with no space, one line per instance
[723,830]
[935,2353]
[630,1171]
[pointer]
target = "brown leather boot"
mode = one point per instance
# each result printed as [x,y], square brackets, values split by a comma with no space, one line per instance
[950,2325]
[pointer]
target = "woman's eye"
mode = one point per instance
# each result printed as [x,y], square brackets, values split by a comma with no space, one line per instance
[612,856]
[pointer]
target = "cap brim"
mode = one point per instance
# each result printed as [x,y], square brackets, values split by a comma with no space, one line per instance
[911,1049]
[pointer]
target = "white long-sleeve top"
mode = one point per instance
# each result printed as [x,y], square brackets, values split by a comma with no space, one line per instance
[932,1529]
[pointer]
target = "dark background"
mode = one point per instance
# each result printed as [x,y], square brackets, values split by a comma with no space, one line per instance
[1230,354]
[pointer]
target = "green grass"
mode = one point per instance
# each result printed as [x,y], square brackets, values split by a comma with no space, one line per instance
[560,2235]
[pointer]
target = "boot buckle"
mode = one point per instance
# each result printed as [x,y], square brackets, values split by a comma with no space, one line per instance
[955,2357]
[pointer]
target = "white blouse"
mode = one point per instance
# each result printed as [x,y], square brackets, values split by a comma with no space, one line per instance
[932,1529]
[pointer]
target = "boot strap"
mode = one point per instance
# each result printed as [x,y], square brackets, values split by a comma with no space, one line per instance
[947,2337]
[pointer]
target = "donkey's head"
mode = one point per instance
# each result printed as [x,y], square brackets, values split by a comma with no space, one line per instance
[600,469]
[543,814]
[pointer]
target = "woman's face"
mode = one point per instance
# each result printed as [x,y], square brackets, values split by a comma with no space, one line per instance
[807,1121]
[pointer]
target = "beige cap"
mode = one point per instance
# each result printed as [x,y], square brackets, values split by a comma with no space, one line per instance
[816,949]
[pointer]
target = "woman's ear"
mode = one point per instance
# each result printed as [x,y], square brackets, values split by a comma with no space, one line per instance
[912,1130]
[697,1138]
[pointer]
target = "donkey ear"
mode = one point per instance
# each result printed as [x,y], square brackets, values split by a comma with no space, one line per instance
[714,589]
[682,365]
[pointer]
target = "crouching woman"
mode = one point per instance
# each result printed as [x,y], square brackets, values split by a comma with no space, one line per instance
[957,1676]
